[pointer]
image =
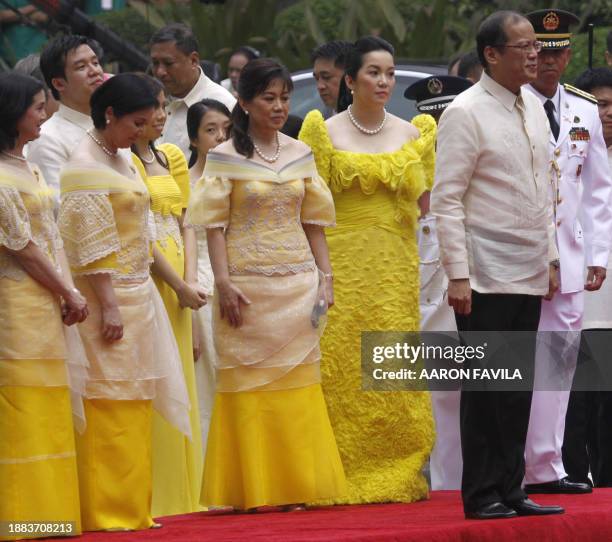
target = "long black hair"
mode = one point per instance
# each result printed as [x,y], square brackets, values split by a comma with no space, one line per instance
[255,78]
[17,93]
[354,61]
[195,113]
[156,87]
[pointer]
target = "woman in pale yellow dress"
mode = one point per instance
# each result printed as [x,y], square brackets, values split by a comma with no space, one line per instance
[208,123]
[38,472]
[264,207]
[177,461]
[133,357]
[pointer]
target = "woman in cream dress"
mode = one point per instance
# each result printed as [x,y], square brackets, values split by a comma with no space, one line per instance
[208,123]
[264,207]
[133,357]
[177,461]
[36,436]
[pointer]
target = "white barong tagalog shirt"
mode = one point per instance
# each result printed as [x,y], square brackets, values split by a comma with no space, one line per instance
[491,194]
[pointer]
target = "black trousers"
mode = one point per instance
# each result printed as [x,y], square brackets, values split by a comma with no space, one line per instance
[494,424]
[587,444]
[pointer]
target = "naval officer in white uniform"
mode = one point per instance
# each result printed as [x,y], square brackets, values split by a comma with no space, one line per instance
[433,95]
[580,186]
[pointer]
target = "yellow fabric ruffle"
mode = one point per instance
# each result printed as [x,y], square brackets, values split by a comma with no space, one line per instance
[384,438]
[38,466]
[408,171]
[271,448]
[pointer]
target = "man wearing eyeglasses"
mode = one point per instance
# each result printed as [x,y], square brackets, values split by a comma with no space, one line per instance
[494,221]
[581,189]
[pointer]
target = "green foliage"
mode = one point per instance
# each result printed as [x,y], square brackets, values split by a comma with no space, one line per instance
[580,53]
[420,30]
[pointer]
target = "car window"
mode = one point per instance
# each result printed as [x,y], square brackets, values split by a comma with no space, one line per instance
[305,97]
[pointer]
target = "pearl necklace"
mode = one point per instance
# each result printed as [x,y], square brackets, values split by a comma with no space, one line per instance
[149,161]
[269,159]
[14,156]
[363,129]
[101,144]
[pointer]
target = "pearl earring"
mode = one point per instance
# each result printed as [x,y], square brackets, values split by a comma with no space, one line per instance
[107,121]
[246,112]
[352,92]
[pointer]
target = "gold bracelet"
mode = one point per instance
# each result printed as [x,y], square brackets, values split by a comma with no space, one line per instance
[328,275]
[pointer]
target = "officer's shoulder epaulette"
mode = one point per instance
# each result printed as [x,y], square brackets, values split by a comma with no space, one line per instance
[576,91]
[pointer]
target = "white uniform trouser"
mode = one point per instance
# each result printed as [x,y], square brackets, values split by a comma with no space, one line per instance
[445,462]
[556,357]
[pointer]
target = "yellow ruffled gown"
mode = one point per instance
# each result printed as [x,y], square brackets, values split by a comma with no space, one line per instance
[177,461]
[270,440]
[38,470]
[384,438]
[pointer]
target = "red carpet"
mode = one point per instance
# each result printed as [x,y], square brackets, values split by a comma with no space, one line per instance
[588,518]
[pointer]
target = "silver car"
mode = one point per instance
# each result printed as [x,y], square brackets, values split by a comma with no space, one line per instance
[305,96]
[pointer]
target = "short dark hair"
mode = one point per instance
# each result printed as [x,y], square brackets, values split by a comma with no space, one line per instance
[255,78]
[179,33]
[332,50]
[126,93]
[609,42]
[195,113]
[354,61]
[492,32]
[594,78]
[53,56]
[467,63]
[247,51]
[17,93]
[453,60]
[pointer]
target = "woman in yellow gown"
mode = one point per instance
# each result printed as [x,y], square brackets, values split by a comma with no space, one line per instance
[132,353]
[38,472]
[270,441]
[376,174]
[177,461]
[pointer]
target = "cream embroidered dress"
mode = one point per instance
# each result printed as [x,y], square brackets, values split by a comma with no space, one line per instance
[38,472]
[270,441]
[104,223]
[177,461]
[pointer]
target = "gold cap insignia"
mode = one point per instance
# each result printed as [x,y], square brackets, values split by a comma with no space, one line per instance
[550,21]
[434,86]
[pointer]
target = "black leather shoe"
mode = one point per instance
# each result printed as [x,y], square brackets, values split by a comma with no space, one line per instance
[494,510]
[527,507]
[559,486]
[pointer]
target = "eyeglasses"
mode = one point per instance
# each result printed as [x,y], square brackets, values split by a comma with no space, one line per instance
[526,47]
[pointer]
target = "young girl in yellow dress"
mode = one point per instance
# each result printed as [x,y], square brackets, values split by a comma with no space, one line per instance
[208,123]
[177,461]
[38,471]
[377,165]
[264,207]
